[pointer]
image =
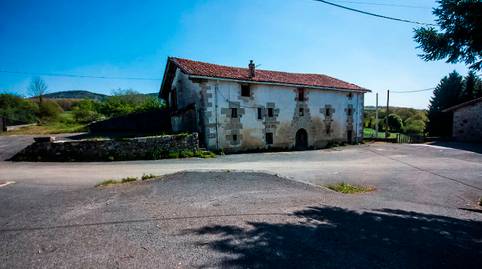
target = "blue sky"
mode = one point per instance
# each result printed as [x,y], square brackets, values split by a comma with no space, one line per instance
[134,39]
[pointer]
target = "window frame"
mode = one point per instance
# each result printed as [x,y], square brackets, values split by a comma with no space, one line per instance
[301,95]
[270,112]
[234,112]
[245,87]
[269,138]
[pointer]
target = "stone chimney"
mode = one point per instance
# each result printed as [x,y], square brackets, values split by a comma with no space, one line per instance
[252,69]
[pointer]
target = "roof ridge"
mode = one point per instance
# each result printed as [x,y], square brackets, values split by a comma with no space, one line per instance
[195,67]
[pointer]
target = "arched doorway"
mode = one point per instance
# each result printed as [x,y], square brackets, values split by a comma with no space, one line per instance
[301,139]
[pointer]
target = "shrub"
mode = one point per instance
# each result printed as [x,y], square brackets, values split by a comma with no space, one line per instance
[414,127]
[49,110]
[395,123]
[17,110]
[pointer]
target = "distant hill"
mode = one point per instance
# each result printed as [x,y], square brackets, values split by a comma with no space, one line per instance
[83,95]
[75,95]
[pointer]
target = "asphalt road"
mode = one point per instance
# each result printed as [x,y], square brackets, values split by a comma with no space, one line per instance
[422,215]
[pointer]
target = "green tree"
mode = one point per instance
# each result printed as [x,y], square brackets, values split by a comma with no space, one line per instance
[395,123]
[460,35]
[472,86]
[49,110]
[17,110]
[446,94]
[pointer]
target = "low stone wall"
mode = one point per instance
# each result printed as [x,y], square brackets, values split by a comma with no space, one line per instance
[143,148]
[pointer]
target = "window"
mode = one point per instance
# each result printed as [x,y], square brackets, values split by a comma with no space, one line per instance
[234,112]
[269,138]
[302,112]
[235,138]
[245,91]
[349,111]
[260,113]
[301,95]
[270,112]
[350,95]
[327,112]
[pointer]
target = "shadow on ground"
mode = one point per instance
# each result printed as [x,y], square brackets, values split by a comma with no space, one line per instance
[330,237]
[473,147]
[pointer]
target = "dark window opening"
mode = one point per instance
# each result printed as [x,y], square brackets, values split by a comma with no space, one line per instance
[270,112]
[349,112]
[327,112]
[302,112]
[301,94]
[235,138]
[260,113]
[234,112]
[245,90]
[269,138]
[350,95]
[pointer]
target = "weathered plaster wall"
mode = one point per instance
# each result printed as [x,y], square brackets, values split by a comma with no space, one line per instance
[206,105]
[142,148]
[250,132]
[467,124]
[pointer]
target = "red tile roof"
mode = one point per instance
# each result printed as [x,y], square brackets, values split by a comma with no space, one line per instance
[219,71]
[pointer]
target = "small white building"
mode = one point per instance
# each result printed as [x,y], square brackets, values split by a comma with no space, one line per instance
[241,109]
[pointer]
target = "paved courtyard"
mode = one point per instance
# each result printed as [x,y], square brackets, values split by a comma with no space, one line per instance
[424,211]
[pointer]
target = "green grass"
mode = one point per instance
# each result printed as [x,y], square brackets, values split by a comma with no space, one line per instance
[148,176]
[65,123]
[349,188]
[370,133]
[109,182]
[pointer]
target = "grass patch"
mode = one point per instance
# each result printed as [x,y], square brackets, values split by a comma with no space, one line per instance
[109,182]
[148,176]
[349,188]
[164,154]
[64,124]
[370,133]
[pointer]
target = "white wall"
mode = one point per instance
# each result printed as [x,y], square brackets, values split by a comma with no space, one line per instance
[213,98]
[252,133]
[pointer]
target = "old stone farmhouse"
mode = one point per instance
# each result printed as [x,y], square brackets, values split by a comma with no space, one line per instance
[467,121]
[239,109]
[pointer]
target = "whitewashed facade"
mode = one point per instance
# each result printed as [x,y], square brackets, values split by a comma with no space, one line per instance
[243,115]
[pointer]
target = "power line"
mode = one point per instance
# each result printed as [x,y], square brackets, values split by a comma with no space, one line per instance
[422,90]
[74,76]
[383,4]
[373,14]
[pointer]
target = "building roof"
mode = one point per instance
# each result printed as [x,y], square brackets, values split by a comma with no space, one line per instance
[202,69]
[473,101]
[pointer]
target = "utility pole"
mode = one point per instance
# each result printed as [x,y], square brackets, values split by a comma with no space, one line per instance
[376,116]
[387,112]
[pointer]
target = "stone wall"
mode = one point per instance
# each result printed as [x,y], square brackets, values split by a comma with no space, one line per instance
[143,148]
[467,124]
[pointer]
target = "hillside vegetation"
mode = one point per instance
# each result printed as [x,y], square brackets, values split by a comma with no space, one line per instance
[400,120]
[53,115]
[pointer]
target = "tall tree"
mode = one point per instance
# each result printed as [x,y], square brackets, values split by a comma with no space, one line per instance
[472,86]
[446,94]
[460,35]
[37,88]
